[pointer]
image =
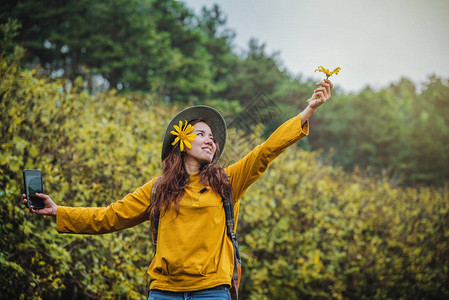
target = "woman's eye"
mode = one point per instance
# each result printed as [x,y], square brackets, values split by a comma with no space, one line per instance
[200,134]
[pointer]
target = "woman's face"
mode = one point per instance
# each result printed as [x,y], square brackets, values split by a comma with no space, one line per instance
[203,147]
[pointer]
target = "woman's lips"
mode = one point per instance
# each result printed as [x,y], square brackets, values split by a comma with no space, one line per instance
[208,149]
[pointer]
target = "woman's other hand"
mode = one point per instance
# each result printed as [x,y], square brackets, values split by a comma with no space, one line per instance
[50,206]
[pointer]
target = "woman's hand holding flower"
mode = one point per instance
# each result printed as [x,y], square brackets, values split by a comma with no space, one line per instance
[321,94]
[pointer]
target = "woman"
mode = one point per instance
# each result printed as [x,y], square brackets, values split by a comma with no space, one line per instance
[194,255]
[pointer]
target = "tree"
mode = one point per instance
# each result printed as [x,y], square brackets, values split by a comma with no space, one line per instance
[257,72]
[135,45]
[427,135]
[188,77]
[218,42]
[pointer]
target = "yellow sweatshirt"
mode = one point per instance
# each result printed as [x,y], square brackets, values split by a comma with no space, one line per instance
[193,250]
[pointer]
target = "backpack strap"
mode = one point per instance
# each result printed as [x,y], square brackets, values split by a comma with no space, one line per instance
[230,220]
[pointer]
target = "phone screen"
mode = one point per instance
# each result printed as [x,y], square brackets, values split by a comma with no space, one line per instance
[33,185]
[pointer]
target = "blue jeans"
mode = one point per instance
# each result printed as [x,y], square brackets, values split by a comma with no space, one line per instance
[220,292]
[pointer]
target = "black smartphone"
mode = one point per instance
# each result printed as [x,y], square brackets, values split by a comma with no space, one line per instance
[32,180]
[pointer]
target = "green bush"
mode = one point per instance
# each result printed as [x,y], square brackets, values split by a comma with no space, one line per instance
[312,231]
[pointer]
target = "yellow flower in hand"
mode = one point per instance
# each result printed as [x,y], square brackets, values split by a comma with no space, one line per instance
[328,74]
[183,136]
[326,71]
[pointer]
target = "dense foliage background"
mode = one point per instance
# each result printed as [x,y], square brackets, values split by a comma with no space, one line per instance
[86,89]
[163,49]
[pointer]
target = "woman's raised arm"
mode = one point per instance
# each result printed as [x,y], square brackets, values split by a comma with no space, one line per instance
[248,169]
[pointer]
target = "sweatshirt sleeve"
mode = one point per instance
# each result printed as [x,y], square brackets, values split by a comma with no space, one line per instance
[125,213]
[248,169]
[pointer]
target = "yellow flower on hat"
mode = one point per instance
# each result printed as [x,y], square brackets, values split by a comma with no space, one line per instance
[184,135]
[326,71]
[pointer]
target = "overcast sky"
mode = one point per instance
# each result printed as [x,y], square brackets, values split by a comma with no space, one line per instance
[374,42]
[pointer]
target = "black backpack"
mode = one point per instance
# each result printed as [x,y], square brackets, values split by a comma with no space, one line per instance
[229,212]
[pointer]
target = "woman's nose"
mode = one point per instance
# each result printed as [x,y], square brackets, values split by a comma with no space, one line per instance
[210,143]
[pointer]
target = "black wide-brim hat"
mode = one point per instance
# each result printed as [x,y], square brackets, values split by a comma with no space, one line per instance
[210,115]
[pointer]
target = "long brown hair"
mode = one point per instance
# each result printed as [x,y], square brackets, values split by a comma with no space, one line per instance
[174,179]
